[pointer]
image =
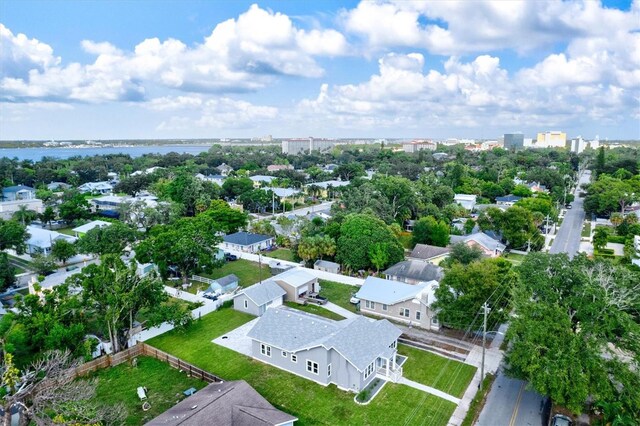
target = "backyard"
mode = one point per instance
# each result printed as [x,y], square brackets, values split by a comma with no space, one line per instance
[248,273]
[338,293]
[444,374]
[514,258]
[281,253]
[315,309]
[310,402]
[164,387]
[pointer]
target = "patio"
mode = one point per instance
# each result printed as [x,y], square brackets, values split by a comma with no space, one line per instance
[237,339]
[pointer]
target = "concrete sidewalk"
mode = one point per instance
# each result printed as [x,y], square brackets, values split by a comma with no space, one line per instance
[339,310]
[429,389]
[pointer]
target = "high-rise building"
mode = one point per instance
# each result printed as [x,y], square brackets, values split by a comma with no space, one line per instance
[553,139]
[513,141]
[418,145]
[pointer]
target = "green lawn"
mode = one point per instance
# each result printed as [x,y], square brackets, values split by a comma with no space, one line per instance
[338,293]
[406,239]
[310,402]
[20,265]
[247,272]
[66,231]
[586,229]
[441,373]
[164,387]
[514,258]
[281,253]
[315,309]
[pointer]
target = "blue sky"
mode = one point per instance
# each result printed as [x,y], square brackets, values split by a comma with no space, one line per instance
[430,69]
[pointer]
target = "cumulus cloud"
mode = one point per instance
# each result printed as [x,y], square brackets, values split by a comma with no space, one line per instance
[242,54]
[459,26]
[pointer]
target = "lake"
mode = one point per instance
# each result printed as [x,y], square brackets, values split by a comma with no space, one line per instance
[36,154]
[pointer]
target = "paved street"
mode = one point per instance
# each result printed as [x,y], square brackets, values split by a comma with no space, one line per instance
[567,239]
[509,403]
[307,210]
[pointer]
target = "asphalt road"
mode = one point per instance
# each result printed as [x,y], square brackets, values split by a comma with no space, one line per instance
[509,403]
[567,239]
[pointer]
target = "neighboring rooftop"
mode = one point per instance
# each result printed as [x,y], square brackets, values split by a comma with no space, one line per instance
[263,292]
[508,199]
[390,292]
[223,404]
[294,277]
[17,188]
[226,280]
[481,238]
[83,229]
[415,270]
[245,238]
[426,251]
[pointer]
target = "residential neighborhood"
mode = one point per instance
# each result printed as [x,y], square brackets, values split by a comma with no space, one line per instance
[320,213]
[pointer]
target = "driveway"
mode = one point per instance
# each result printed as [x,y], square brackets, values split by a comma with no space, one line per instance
[338,310]
[237,339]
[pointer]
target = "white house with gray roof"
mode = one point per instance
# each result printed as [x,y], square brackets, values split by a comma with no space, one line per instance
[414,272]
[347,353]
[247,241]
[407,303]
[256,299]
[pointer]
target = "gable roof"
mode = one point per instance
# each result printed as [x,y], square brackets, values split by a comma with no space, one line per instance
[262,178]
[17,188]
[44,238]
[389,292]
[326,264]
[508,198]
[359,340]
[426,251]
[486,241]
[233,403]
[83,229]
[295,277]
[228,279]
[415,270]
[263,292]
[245,238]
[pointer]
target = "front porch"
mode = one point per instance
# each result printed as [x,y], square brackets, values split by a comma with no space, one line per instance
[390,368]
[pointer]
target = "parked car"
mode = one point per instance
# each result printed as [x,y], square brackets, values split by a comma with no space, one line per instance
[230,257]
[568,206]
[354,300]
[317,299]
[561,420]
[210,296]
[71,268]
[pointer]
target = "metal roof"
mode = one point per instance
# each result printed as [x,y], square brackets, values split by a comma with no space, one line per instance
[17,188]
[245,238]
[389,292]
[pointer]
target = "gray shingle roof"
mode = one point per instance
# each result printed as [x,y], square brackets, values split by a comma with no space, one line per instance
[415,270]
[387,291]
[223,404]
[480,238]
[245,238]
[17,188]
[425,251]
[508,198]
[360,340]
[226,280]
[264,292]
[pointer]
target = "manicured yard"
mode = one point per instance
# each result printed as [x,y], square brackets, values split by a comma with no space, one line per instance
[66,231]
[281,253]
[586,229]
[514,258]
[441,373]
[247,272]
[19,264]
[310,402]
[315,309]
[164,387]
[338,293]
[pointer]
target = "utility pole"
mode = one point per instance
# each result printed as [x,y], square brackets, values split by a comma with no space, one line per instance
[273,204]
[484,341]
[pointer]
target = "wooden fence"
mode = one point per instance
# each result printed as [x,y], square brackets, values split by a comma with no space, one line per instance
[143,349]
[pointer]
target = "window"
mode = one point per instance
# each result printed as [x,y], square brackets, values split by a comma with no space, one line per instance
[265,350]
[384,307]
[329,370]
[246,304]
[418,315]
[404,312]
[312,367]
[369,304]
[393,344]
[434,320]
[294,358]
[284,354]
[370,368]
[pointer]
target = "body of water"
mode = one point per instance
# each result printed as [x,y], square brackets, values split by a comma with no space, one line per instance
[36,154]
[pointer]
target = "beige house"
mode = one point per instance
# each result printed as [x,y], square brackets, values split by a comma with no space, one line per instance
[298,284]
[407,303]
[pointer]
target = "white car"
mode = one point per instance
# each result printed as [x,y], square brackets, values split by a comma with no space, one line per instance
[354,300]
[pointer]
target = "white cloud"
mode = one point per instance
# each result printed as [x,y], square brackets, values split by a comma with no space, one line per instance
[240,54]
[219,113]
[460,26]
[20,54]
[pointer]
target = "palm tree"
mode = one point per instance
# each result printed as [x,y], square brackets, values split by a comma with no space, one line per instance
[24,215]
[616,219]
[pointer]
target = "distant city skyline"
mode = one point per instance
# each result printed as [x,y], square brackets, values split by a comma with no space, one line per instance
[341,69]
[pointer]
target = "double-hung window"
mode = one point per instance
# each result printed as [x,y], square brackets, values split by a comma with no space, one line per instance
[313,367]
[404,312]
[265,350]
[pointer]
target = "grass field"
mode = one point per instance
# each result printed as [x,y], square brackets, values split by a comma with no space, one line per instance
[310,402]
[247,272]
[441,373]
[338,293]
[514,258]
[20,265]
[315,309]
[586,229]
[281,253]
[164,387]
[66,231]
